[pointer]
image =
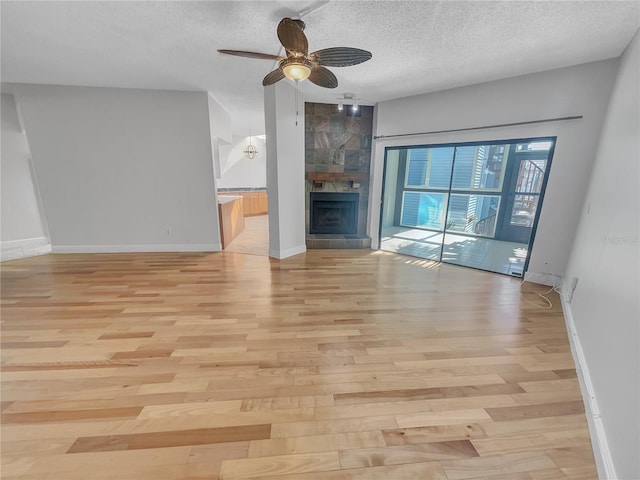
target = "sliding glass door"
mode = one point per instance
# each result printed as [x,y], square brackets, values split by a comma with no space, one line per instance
[472,204]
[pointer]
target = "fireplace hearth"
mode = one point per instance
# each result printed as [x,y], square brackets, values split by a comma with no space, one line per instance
[333,212]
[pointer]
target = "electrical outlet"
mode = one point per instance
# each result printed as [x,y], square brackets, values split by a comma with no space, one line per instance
[168,231]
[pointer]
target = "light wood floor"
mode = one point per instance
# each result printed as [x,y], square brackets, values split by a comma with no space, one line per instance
[334,364]
[254,239]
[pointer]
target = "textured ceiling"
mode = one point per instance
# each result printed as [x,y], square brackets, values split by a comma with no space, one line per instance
[417,46]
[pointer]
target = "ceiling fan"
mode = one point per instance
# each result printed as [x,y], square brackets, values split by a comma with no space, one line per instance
[299,64]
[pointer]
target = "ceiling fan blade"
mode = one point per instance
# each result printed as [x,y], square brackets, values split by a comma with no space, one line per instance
[292,37]
[340,56]
[241,53]
[323,77]
[273,77]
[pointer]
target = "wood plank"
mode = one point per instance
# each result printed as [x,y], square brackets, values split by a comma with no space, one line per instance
[43,344]
[507,476]
[496,465]
[438,433]
[200,436]
[387,396]
[190,408]
[69,415]
[123,335]
[316,443]
[393,455]
[100,460]
[426,470]
[370,409]
[455,417]
[322,427]
[262,467]
[571,456]
[546,441]
[533,426]
[219,452]
[586,472]
[534,411]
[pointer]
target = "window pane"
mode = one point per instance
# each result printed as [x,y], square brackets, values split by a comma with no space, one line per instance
[417,160]
[429,167]
[440,171]
[473,214]
[480,167]
[463,168]
[531,176]
[490,164]
[524,210]
[424,210]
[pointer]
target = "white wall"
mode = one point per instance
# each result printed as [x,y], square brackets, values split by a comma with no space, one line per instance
[123,169]
[580,90]
[285,169]
[219,130]
[220,119]
[605,307]
[237,171]
[23,232]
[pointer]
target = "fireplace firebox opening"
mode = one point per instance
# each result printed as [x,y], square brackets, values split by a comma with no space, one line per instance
[332,212]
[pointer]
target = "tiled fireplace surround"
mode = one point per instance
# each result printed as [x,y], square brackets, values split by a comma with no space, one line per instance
[337,159]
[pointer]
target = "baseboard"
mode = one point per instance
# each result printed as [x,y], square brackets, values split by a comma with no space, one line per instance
[601,451]
[29,247]
[289,252]
[190,247]
[543,278]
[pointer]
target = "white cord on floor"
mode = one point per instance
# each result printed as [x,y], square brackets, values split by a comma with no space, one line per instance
[542,295]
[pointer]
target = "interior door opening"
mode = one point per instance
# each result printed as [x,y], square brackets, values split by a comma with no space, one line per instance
[472,204]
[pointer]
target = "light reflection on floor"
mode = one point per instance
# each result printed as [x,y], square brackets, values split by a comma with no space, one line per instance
[254,240]
[483,253]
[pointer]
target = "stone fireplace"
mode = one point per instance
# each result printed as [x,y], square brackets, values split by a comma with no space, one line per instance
[337,160]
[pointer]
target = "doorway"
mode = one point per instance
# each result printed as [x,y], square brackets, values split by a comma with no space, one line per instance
[472,204]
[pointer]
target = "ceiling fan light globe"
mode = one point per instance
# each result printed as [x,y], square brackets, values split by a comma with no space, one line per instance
[296,71]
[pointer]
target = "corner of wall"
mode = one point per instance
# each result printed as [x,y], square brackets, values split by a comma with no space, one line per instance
[548,279]
[289,252]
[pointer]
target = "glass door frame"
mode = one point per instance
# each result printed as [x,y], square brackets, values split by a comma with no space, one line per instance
[502,193]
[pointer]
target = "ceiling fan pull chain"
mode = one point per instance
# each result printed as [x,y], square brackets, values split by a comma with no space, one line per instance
[297,90]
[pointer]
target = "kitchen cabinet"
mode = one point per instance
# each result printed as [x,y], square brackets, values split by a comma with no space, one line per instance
[254,203]
[230,210]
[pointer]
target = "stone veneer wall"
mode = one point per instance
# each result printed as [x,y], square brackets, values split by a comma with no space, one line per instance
[338,142]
